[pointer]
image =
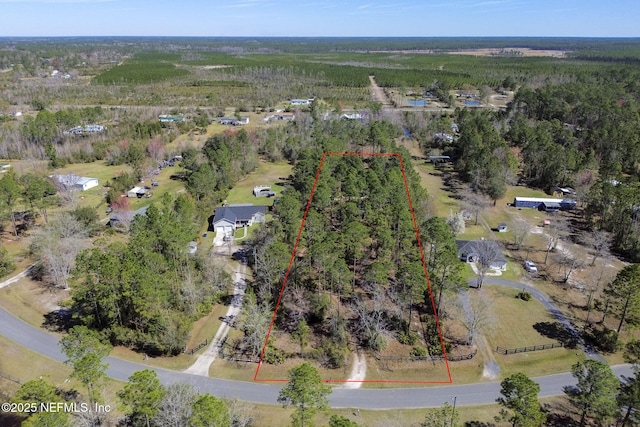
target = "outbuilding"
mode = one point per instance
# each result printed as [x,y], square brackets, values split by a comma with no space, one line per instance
[535,202]
[138,192]
[549,207]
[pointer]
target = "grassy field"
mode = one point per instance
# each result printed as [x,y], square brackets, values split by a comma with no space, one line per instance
[479,415]
[273,174]
[30,301]
[431,179]
[19,365]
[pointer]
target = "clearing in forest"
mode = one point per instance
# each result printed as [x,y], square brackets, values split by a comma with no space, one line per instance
[357,280]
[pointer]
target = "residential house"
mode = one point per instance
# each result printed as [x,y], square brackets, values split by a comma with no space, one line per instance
[234,121]
[472,251]
[280,115]
[81,183]
[302,101]
[231,217]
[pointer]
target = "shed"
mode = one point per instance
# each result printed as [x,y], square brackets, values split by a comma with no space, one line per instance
[502,227]
[138,192]
[263,191]
[549,207]
[562,191]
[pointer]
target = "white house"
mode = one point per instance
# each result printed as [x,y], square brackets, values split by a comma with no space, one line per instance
[81,183]
[302,101]
[85,183]
[228,218]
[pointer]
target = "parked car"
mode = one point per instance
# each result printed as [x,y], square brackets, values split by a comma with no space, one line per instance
[530,266]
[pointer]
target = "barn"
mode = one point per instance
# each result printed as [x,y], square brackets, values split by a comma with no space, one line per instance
[536,202]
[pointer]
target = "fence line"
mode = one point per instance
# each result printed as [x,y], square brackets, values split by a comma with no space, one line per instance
[10,378]
[527,349]
[196,348]
[428,358]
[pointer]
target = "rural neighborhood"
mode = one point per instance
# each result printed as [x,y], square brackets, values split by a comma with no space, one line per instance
[374,232]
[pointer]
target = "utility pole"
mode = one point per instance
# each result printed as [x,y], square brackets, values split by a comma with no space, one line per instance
[453,412]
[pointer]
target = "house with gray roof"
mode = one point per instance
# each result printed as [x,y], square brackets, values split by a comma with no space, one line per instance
[231,217]
[477,250]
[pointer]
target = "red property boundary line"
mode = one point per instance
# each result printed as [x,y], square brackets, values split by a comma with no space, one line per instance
[293,254]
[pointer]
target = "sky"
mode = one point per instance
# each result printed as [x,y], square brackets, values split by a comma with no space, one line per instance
[320,18]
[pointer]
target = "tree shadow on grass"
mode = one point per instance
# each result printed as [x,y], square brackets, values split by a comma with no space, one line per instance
[478,424]
[560,413]
[10,420]
[556,331]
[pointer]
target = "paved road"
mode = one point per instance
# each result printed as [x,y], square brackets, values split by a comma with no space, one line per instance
[551,308]
[467,394]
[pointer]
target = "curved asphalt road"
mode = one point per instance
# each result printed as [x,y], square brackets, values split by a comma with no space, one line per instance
[467,394]
[551,308]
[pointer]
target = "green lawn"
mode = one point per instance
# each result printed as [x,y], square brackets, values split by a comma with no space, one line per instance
[521,316]
[94,197]
[431,180]
[272,174]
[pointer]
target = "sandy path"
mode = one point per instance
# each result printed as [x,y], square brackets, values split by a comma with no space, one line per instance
[491,368]
[378,93]
[17,277]
[202,363]
[358,372]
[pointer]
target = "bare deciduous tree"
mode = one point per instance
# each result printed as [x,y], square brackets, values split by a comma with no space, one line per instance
[521,230]
[57,246]
[68,190]
[474,202]
[478,317]
[372,325]
[568,263]
[175,408]
[456,222]
[240,413]
[555,231]
[599,240]
[486,252]
[213,273]
[255,323]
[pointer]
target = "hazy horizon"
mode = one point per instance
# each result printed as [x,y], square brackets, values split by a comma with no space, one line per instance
[320,18]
